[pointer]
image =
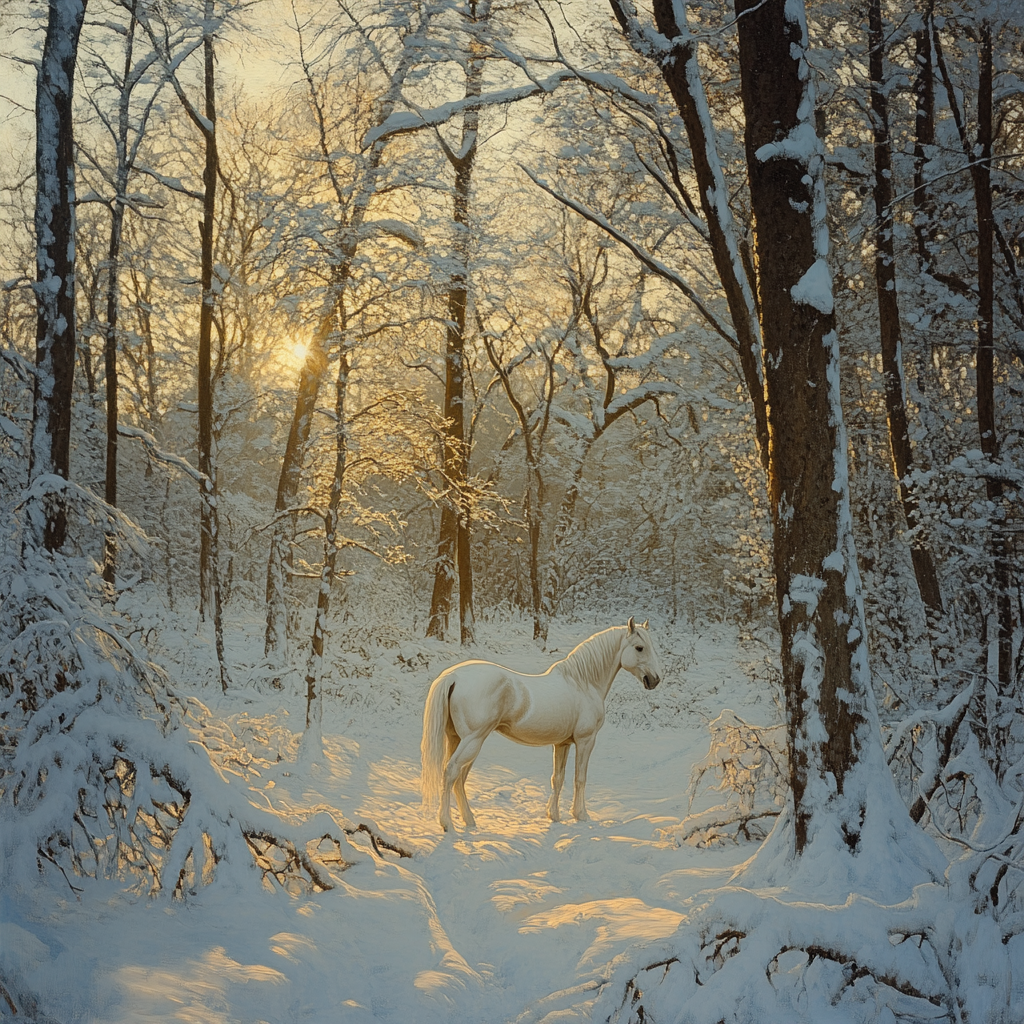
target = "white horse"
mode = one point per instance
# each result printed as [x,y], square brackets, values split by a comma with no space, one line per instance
[564,705]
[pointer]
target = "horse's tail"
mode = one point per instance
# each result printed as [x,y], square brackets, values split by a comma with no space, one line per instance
[432,748]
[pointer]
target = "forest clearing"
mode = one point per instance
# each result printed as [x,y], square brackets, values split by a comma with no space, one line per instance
[346,341]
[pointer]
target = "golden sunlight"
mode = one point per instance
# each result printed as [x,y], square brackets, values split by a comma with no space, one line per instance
[294,351]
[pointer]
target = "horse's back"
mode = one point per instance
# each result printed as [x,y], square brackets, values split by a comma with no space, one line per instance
[535,710]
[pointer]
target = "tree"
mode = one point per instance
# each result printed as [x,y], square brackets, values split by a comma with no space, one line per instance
[127,129]
[352,207]
[454,542]
[890,331]
[55,258]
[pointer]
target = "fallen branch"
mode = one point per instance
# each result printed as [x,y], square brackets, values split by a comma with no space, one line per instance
[377,841]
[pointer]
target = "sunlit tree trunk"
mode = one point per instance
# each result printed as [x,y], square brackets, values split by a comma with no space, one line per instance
[55,258]
[314,660]
[890,331]
[454,543]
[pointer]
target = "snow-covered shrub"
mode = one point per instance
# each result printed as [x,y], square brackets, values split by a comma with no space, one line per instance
[100,776]
[747,766]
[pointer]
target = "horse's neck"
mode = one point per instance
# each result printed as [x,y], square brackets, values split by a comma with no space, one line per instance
[595,661]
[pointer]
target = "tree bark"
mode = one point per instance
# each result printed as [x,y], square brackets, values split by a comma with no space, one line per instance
[982,174]
[314,661]
[829,706]
[979,157]
[924,134]
[454,551]
[114,296]
[207,532]
[55,259]
[890,331]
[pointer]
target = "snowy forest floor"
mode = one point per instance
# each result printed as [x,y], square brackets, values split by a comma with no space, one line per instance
[515,920]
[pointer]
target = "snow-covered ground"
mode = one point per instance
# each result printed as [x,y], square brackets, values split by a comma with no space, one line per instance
[515,920]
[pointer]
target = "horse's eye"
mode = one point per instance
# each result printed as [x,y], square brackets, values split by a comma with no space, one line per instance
[640,649]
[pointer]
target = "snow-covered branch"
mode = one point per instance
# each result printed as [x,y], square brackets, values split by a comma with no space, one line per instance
[650,261]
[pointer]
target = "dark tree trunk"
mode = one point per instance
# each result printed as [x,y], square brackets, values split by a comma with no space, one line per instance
[828,704]
[890,330]
[55,258]
[279,560]
[979,157]
[110,371]
[114,296]
[924,135]
[982,174]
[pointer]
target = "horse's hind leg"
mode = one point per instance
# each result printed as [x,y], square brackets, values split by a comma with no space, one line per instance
[557,777]
[460,795]
[455,773]
[459,786]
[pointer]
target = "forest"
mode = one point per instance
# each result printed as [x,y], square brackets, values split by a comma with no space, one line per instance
[345,340]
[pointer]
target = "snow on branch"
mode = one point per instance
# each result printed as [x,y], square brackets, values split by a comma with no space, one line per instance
[168,458]
[636,397]
[174,184]
[404,121]
[650,261]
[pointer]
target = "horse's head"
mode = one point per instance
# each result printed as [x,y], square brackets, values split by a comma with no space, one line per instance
[640,656]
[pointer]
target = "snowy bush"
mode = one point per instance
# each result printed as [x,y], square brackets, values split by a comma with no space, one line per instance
[101,774]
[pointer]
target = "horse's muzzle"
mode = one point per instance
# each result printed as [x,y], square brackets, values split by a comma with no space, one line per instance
[650,682]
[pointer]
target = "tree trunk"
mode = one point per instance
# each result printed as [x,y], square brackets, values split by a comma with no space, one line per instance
[205,380]
[311,376]
[979,157]
[982,173]
[114,295]
[890,330]
[924,135]
[314,661]
[454,543]
[110,371]
[55,259]
[832,731]
[280,557]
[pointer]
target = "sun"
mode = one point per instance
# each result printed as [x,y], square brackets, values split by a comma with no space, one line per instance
[295,350]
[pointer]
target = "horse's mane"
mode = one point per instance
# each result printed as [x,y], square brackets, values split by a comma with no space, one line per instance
[588,658]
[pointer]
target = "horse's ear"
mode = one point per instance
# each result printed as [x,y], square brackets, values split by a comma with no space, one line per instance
[631,624]
[646,621]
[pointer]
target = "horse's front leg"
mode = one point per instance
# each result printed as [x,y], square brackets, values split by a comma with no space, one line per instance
[584,748]
[557,778]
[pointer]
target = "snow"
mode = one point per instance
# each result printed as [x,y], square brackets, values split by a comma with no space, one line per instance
[520,916]
[815,287]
